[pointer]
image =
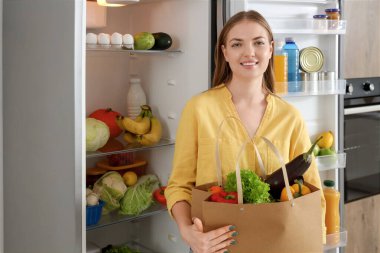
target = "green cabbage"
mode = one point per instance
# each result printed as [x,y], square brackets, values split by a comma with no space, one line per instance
[111,188]
[97,134]
[139,196]
[254,189]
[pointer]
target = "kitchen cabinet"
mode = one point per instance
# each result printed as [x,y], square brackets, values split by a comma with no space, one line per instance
[363,223]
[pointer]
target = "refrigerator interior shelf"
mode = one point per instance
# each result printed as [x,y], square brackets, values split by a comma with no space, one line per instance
[110,48]
[308,88]
[115,217]
[307,26]
[131,148]
[336,240]
[328,162]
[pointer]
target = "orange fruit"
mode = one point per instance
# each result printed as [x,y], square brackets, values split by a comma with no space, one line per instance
[284,194]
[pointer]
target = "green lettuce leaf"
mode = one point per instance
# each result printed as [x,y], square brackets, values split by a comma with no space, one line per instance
[139,197]
[254,189]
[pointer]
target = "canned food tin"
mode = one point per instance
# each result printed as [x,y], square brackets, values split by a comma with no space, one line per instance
[311,59]
[312,84]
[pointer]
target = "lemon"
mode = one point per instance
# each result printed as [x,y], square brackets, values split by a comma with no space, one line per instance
[130,178]
[327,139]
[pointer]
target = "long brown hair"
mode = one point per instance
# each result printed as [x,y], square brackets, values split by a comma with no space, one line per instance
[223,73]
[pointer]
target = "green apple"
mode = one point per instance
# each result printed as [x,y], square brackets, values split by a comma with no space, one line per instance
[326,151]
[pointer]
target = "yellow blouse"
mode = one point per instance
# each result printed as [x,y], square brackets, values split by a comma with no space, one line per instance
[194,160]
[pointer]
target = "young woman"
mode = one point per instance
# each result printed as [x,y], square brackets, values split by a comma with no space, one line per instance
[242,89]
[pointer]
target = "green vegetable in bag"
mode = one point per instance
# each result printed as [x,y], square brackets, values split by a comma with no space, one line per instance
[139,197]
[254,189]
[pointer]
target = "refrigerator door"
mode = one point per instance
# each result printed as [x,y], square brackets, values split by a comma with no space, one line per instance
[43,108]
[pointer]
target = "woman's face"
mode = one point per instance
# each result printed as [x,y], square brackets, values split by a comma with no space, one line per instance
[247,50]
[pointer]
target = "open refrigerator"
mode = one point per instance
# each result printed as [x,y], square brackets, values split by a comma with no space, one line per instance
[63,81]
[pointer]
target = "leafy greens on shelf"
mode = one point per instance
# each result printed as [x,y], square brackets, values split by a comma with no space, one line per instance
[139,197]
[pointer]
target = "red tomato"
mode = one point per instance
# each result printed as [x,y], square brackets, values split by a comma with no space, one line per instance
[108,116]
[159,195]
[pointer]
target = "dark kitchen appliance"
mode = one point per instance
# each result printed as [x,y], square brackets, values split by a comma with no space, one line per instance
[362,138]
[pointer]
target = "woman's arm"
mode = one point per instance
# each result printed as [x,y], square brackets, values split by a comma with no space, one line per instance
[191,229]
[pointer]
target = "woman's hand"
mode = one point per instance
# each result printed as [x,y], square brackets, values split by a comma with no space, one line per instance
[215,241]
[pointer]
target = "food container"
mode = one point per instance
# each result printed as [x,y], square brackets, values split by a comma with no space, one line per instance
[93,213]
[312,84]
[320,22]
[333,17]
[329,79]
[311,59]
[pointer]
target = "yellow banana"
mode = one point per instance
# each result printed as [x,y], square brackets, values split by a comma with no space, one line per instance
[130,138]
[154,135]
[119,122]
[135,127]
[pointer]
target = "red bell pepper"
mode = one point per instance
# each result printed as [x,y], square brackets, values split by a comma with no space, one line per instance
[225,197]
[159,195]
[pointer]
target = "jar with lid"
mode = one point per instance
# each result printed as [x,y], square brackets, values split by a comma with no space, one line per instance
[333,17]
[320,22]
[135,98]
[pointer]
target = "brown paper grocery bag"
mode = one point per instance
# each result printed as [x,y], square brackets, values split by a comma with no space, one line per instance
[293,226]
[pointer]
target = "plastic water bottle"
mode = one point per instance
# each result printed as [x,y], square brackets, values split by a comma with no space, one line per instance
[293,65]
[280,68]
[135,98]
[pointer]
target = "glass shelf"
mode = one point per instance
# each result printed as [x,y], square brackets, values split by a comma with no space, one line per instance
[115,217]
[132,148]
[328,162]
[308,88]
[101,48]
[335,240]
[306,26]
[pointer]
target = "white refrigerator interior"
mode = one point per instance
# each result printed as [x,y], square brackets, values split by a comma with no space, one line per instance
[169,79]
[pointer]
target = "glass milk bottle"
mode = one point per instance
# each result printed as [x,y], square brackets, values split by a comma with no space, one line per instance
[135,98]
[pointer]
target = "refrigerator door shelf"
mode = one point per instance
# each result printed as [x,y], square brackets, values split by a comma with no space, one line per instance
[316,88]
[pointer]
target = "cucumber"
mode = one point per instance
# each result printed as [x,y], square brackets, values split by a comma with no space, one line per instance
[162,41]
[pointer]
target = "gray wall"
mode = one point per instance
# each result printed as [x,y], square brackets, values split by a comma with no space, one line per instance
[43,107]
